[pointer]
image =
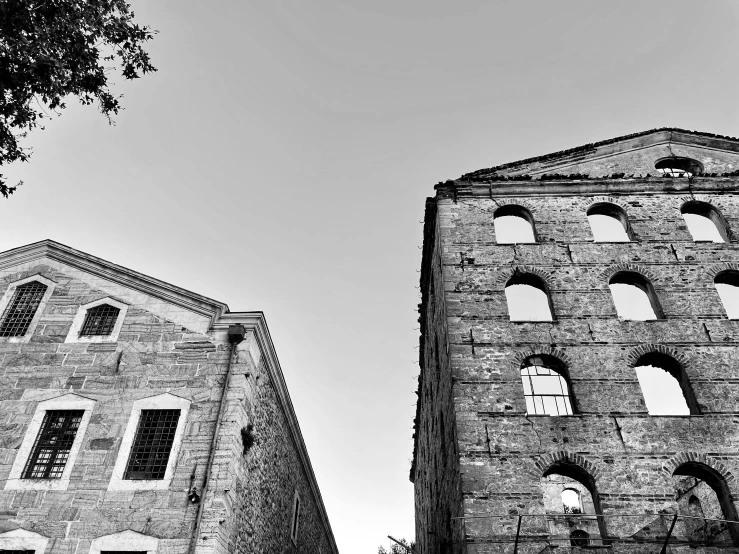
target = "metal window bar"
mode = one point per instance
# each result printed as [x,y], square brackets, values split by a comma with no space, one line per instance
[152,445]
[99,321]
[19,313]
[546,391]
[51,449]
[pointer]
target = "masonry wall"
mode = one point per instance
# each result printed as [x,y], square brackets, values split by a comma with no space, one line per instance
[630,454]
[249,506]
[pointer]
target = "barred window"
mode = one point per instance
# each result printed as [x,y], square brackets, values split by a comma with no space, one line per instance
[50,452]
[152,445]
[99,321]
[19,313]
[545,389]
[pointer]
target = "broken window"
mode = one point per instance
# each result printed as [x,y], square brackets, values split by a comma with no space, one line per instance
[634,297]
[513,225]
[608,223]
[571,501]
[677,166]
[545,387]
[528,298]
[704,222]
[664,385]
[727,285]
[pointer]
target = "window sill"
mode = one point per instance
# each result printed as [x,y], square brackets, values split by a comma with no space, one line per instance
[117,484]
[37,484]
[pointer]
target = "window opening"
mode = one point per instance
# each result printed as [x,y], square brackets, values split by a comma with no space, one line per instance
[545,388]
[664,385]
[528,299]
[295,519]
[608,223]
[19,313]
[99,320]
[727,286]
[580,538]
[513,225]
[704,222]
[50,451]
[571,501]
[152,445]
[677,166]
[634,297]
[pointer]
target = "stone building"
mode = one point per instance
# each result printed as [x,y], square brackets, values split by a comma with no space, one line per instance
[136,416]
[579,382]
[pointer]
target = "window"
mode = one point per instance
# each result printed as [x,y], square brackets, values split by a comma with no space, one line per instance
[676,166]
[608,223]
[704,222]
[20,540]
[124,542]
[295,519]
[580,538]
[571,501]
[99,320]
[727,285]
[54,442]
[513,225]
[22,309]
[147,457]
[152,444]
[528,299]
[545,387]
[123,552]
[634,297]
[664,385]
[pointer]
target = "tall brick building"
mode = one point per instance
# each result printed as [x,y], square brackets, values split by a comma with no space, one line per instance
[579,382]
[136,416]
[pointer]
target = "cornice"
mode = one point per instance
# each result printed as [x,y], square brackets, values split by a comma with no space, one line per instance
[256,323]
[120,275]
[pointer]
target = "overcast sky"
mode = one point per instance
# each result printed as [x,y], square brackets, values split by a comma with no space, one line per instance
[280,158]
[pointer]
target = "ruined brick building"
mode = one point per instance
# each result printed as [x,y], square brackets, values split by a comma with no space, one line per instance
[136,416]
[579,382]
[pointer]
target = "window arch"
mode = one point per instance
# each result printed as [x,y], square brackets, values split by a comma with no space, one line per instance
[528,298]
[678,166]
[665,385]
[704,222]
[608,223]
[693,480]
[513,225]
[727,286]
[634,297]
[546,386]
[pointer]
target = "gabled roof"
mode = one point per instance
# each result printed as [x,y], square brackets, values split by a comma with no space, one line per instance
[558,161]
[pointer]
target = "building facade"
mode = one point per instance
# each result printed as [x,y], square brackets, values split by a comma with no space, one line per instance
[136,416]
[579,382]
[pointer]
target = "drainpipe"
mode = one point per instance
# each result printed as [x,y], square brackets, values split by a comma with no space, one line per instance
[236,334]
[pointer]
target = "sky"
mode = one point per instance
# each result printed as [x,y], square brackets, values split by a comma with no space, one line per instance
[280,158]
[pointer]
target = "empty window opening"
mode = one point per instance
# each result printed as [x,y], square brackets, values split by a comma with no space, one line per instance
[527,298]
[99,320]
[295,519]
[545,387]
[571,501]
[513,225]
[703,498]
[727,285]
[19,313]
[704,222]
[152,444]
[53,444]
[676,166]
[608,223]
[580,538]
[664,385]
[634,297]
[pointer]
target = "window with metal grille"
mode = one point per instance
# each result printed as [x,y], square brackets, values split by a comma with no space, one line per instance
[54,441]
[152,444]
[545,389]
[99,321]
[19,313]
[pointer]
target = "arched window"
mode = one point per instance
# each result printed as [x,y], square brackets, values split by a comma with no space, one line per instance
[608,223]
[727,285]
[705,222]
[677,166]
[708,496]
[634,297]
[545,386]
[513,225]
[665,385]
[571,501]
[22,308]
[528,298]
